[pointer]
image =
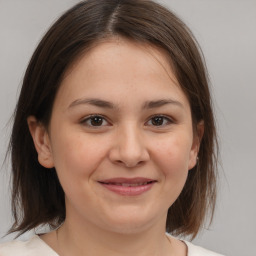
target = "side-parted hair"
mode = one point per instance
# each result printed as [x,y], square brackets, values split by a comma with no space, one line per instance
[37,196]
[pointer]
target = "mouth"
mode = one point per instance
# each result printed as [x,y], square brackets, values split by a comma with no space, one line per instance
[128,187]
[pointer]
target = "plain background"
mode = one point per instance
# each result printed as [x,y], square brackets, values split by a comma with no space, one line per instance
[226,31]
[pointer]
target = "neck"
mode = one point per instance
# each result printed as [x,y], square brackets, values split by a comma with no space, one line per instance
[87,239]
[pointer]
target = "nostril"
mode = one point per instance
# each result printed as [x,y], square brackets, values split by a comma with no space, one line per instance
[128,157]
[130,164]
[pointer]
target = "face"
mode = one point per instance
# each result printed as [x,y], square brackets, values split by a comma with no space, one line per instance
[120,137]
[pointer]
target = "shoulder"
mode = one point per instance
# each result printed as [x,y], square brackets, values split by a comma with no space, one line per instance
[34,246]
[194,250]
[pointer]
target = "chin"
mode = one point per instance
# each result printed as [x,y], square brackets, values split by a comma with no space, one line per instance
[130,228]
[131,224]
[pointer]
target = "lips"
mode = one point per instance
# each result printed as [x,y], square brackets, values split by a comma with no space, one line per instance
[128,186]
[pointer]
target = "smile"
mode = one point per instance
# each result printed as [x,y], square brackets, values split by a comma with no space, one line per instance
[128,187]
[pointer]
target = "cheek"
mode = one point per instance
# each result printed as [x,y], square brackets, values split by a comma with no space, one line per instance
[174,153]
[75,162]
[74,158]
[172,156]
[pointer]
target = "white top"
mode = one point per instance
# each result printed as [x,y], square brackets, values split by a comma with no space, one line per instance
[37,247]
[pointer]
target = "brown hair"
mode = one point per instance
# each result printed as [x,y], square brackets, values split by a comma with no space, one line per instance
[37,196]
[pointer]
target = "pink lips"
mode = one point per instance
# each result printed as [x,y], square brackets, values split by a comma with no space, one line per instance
[128,187]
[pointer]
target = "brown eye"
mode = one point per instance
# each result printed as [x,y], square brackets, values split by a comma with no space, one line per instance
[95,121]
[159,121]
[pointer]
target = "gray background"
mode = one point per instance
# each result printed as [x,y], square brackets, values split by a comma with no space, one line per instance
[226,31]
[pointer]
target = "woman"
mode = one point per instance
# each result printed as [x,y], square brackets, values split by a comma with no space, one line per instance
[113,137]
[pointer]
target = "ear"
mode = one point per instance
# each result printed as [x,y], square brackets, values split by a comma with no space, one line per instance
[41,142]
[198,135]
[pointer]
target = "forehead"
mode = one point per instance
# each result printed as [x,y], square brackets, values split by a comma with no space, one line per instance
[118,50]
[120,66]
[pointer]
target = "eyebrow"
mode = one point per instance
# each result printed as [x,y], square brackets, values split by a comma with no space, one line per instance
[106,104]
[95,102]
[160,103]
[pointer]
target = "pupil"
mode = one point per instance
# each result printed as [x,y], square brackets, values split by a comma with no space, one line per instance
[157,121]
[96,121]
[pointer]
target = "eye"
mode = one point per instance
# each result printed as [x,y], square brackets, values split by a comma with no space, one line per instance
[159,120]
[95,121]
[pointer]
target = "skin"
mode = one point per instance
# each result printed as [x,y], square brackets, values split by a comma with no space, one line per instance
[127,143]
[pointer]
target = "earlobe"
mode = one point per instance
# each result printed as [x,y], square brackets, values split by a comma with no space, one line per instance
[198,135]
[41,142]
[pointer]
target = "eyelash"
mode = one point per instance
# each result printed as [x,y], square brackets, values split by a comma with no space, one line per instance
[167,120]
[89,118]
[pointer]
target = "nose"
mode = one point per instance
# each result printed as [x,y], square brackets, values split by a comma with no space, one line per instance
[129,148]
